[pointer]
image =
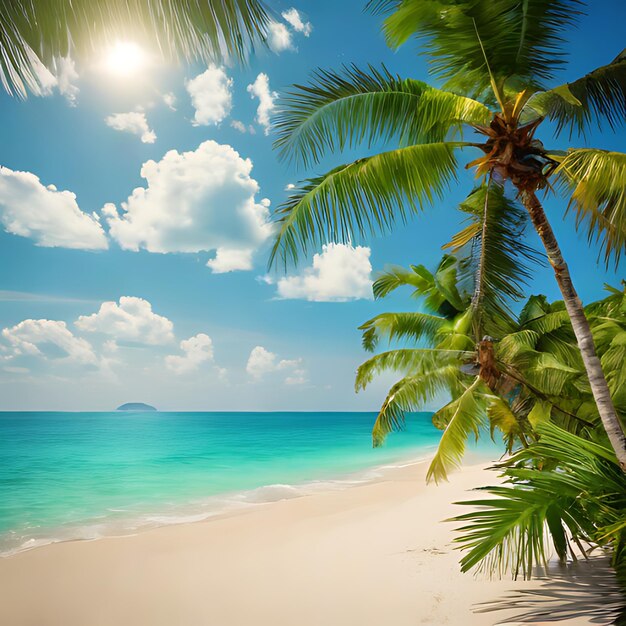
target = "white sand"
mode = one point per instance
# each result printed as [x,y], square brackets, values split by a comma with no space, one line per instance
[371,555]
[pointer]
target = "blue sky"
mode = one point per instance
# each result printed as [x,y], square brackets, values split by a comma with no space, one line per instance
[249,344]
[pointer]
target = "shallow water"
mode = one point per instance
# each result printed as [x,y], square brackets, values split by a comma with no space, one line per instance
[85,475]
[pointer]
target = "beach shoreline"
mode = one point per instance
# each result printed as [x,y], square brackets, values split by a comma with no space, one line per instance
[215,506]
[373,553]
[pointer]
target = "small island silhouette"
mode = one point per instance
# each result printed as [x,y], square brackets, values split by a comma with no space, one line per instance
[135,406]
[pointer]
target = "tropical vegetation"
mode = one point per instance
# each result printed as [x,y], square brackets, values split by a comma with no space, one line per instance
[562,483]
[496,61]
[39,32]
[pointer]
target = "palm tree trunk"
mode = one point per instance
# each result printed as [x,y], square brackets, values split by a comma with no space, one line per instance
[580,324]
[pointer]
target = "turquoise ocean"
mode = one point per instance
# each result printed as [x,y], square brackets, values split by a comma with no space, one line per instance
[67,476]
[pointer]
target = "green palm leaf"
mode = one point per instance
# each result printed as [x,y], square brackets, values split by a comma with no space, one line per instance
[518,40]
[597,96]
[365,196]
[596,180]
[561,483]
[392,326]
[413,362]
[409,394]
[34,31]
[439,289]
[494,262]
[462,417]
[340,109]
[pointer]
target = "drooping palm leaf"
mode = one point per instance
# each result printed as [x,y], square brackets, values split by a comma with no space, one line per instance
[36,31]
[340,109]
[409,394]
[408,361]
[462,417]
[362,197]
[494,262]
[394,326]
[598,96]
[596,180]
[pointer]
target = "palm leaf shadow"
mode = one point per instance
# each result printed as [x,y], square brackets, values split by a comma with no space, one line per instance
[588,589]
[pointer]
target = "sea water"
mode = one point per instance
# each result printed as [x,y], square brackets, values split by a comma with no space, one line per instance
[85,475]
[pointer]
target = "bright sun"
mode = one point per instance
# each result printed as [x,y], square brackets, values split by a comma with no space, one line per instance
[125,58]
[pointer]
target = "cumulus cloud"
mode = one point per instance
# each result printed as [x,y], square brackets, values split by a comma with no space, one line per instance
[62,78]
[132,320]
[46,339]
[230,261]
[170,100]
[134,122]
[211,96]
[195,201]
[196,351]
[50,217]
[293,17]
[260,89]
[278,37]
[340,273]
[262,362]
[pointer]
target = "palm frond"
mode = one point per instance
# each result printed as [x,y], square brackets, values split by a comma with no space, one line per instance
[409,394]
[394,326]
[439,289]
[345,109]
[519,40]
[366,196]
[563,484]
[413,362]
[494,262]
[598,96]
[38,31]
[459,419]
[596,180]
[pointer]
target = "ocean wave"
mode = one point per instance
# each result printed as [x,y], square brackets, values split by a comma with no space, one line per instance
[124,522]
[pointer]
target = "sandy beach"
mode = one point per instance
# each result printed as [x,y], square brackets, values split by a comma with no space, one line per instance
[369,555]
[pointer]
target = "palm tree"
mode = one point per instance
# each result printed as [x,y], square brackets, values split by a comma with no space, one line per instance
[39,31]
[525,370]
[496,59]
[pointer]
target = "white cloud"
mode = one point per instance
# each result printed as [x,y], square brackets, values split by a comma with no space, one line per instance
[262,362]
[292,16]
[131,320]
[289,187]
[196,201]
[260,89]
[196,351]
[51,218]
[297,378]
[170,100]
[242,128]
[134,122]
[211,96]
[230,261]
[47,339]
[62,78]
[338,274]
[66,76]
[278,37]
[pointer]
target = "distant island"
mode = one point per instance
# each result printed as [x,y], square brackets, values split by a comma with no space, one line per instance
[135,406]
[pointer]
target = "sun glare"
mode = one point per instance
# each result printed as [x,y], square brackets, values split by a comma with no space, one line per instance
[125,58]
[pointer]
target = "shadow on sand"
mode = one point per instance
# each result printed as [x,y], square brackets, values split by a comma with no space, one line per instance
[586,590]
